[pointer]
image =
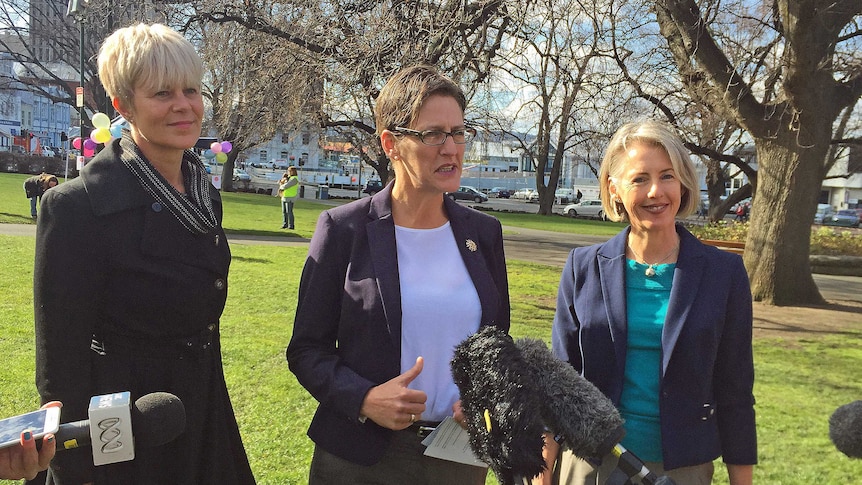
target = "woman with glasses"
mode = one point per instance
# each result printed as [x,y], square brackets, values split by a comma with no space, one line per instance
[391,285]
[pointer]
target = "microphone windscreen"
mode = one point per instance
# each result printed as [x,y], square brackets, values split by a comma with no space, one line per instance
[845,429]
[571,405]
[157,418]
[500,404]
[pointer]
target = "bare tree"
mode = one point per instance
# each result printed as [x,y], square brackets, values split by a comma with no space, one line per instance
[548,64]
[256,90]
[359,44]
[808,72]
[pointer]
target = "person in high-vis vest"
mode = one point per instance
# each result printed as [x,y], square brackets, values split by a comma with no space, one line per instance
[289,188]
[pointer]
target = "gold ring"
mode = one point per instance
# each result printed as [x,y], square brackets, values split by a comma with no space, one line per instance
[412,418]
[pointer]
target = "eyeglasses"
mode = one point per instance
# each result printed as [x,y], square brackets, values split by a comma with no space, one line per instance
[437,137]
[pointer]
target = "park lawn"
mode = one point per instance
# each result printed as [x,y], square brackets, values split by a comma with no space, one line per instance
[799,382]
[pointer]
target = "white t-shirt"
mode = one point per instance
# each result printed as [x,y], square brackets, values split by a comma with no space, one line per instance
[439,309]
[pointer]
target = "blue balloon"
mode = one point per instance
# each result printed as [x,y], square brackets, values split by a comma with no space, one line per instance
[117,131]
[209,154]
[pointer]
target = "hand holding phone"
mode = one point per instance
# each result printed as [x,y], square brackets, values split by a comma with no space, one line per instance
[39,423]
[19,457]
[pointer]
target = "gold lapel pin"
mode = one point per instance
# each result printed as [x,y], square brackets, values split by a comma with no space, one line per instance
[471,245]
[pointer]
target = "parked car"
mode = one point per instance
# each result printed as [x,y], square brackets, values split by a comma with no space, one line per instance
[843,218]
[372,187]
[585,208]
[241,175]
[564,196]
[465,192]
[823,211]
[522,194]
[499,192]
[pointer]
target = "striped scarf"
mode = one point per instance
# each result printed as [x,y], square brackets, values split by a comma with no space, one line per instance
[194,210]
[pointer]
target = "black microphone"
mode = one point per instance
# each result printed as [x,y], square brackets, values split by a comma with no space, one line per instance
[154,420]
[500,405]
[512,392]
[845,429]
[579,413]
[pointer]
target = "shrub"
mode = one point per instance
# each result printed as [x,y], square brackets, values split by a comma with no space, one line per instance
[824,240]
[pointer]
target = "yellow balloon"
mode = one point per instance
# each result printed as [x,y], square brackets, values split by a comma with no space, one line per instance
[101,135]
[101,120]
[221,157]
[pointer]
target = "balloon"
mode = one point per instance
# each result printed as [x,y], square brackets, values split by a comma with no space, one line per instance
[89,145]
[117,131]
[209,154]
[101,135]
[89,152]
[226,146]
[76,143]
[221,157]
[215,147]
[101,120]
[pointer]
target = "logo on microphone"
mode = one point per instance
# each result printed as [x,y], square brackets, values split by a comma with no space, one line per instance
[110,435]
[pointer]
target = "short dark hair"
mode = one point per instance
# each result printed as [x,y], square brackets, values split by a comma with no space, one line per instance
[405,92]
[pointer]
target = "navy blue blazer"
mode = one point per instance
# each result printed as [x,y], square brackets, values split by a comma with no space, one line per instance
[707,371]
[347,333]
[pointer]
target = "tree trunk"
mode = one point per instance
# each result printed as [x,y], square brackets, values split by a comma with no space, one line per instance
[779,237]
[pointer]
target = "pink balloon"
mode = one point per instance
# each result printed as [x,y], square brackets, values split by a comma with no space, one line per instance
[76,143]
[90,145]
[89,152]
[215,147]
[226,146]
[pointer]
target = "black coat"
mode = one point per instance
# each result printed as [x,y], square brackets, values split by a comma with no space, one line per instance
[114,265]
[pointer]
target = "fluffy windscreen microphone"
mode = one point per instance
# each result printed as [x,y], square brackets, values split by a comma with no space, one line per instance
[572,407]
[158,418]
[500,403]
[845,429]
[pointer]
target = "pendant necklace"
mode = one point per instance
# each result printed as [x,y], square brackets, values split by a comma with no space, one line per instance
[650,271]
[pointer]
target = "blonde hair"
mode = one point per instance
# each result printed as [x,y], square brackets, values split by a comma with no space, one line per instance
[652,133]
[154,56]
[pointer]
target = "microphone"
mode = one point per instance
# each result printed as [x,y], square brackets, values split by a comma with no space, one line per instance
[116,426]
[845,429]
[509,390]
[500,405]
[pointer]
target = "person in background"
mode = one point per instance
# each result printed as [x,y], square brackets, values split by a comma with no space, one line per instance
[659,322]
[26,461]
[35,187]
[391,285]
[131,272]
[289,188]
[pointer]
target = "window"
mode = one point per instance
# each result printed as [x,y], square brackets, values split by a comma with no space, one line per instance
[285,138]
[306,138]
[263,155]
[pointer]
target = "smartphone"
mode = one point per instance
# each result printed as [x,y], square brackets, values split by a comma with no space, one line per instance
[39,423]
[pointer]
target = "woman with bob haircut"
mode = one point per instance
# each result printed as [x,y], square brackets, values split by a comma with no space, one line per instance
[659,322]
[391,285]
[131,273]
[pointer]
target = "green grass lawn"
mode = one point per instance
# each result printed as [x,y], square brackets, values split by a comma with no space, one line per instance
[799,382]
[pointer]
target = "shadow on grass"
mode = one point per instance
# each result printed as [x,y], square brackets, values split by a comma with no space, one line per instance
[7,218]
[282,234]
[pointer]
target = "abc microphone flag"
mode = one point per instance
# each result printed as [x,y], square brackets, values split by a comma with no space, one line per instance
[116,425]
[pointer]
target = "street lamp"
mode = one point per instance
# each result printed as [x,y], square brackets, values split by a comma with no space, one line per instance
[75,9]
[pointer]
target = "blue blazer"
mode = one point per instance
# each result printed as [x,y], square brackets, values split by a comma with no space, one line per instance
[706,400]
[347,333]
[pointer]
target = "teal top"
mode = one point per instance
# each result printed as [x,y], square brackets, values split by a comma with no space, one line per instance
[647,298]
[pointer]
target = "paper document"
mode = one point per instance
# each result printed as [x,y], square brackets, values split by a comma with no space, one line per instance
[451,442]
